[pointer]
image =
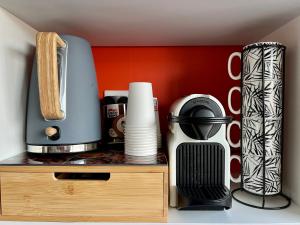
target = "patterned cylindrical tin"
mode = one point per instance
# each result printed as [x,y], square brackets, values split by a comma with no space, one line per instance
[261,117]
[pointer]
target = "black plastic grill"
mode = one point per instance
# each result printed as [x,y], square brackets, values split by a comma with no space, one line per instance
[204,193]
[200,164]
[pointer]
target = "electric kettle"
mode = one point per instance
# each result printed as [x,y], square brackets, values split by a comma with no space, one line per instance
[63,109]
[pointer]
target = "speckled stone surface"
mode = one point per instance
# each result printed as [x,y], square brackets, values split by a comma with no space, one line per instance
[102,156]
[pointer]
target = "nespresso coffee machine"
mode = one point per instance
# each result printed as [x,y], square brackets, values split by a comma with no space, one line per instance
[199,155]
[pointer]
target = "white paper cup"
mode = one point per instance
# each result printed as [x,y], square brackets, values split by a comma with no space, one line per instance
[130,128]
[139,144]
[138,135]
[140,106]
[152,159]
[141,153]
[152,133]
[141,148]
[141,140]
[134,154]
[130,150]
[145,149]
[149,134]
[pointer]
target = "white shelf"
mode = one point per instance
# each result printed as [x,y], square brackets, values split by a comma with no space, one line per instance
[238,214]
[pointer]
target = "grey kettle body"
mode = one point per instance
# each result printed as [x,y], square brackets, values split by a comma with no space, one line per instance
[78,127]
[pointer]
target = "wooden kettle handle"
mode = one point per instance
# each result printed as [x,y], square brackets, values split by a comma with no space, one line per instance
[46,50]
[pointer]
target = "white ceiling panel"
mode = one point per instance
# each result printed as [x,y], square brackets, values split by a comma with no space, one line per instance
[157,22]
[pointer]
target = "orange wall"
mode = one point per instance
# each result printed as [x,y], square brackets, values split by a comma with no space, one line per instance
[173,71]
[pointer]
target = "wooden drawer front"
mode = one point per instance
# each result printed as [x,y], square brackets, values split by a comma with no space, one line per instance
[41,194]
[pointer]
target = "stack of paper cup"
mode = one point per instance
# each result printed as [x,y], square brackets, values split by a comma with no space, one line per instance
[140,127]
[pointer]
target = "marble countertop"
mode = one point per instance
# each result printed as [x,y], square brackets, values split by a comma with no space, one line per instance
[101,156]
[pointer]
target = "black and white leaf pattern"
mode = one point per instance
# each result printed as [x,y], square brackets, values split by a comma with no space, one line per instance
[273,60]
[254,93]
[272,137]
[252,64]
[273,63]
[253,136]
[253,174]
[273,98]
[262,99]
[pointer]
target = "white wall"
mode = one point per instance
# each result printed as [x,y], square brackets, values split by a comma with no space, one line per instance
[289,35]
[17,41]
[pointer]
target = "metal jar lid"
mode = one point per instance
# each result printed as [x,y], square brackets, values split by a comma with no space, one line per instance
[264,44]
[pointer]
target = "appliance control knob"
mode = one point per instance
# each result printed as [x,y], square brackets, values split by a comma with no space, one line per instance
[52,133]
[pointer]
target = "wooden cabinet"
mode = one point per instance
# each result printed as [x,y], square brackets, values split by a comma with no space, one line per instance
[84,193]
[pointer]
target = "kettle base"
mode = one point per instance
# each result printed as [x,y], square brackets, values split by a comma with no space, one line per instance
[62,148]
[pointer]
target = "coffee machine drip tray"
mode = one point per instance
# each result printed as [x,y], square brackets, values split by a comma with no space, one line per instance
[204,198]
[200,177]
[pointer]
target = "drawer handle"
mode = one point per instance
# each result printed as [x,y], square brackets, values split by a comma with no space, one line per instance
[82,176]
